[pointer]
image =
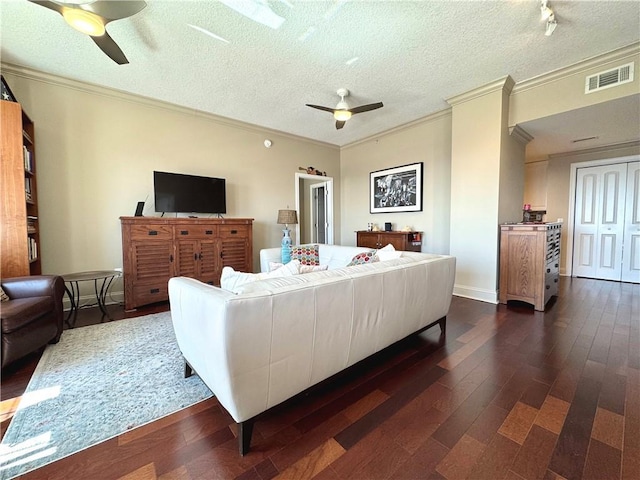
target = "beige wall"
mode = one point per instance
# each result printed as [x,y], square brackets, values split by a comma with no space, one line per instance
[96,151]
[427,141]
[563,91]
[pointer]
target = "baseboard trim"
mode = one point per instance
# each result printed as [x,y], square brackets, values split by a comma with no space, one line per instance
[113,298]
[488,296]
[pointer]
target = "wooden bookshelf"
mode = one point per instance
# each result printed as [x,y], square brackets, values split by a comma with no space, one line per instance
[20,234]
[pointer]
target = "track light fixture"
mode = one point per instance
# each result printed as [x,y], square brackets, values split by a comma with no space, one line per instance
[551,25]
[546,14]
[545,11]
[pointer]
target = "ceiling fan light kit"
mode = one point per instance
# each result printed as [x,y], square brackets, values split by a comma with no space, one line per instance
[342,112]
[90,17]
[84,21]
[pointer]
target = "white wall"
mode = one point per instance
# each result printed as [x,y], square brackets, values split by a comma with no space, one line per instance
[427,141]
[96,151]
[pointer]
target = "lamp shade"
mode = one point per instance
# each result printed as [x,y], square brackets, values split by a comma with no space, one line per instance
[287,217]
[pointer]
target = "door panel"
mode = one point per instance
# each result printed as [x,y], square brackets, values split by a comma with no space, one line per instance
[599,225]
[631,253]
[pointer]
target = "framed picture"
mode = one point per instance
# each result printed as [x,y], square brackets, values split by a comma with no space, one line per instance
[5,92]
[396,189]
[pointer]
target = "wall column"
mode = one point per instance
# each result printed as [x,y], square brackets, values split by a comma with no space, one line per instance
[487,184]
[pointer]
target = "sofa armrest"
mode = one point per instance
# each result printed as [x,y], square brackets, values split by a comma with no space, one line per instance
[39,286]
[34,286]
[269,255]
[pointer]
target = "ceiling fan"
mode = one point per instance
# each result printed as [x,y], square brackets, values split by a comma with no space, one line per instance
[91,17]
[342,112]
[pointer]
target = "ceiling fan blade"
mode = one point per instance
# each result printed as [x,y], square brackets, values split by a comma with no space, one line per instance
[320,107]
[340,124]
[115,10]
[366,108]
[50,5]
[111,48]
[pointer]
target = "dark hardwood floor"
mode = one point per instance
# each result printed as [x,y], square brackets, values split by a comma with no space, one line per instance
[509,393]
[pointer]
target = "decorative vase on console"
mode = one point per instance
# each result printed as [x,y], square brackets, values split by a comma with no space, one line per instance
[286,217]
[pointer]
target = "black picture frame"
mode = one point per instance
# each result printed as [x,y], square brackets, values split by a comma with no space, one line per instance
[5,91]
[397,189]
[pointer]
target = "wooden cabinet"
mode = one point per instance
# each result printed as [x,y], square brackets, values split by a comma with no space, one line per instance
[20,232]
[406,241]
[529,263]
[155,249]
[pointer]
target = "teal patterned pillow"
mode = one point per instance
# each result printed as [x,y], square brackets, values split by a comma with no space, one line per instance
[306,254]
[363,258]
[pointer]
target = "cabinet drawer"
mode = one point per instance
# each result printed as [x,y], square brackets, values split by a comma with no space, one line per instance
[151,293]
[151,232]
[227,231]
[195,231]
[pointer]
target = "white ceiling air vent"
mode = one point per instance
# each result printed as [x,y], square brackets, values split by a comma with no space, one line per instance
[610,78]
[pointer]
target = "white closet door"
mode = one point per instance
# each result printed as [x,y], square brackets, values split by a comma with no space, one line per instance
[599,221]
[631,254]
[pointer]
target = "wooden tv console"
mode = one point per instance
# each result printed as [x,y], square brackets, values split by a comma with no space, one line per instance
[154,249]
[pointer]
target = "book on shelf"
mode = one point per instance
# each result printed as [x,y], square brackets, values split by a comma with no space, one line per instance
[28,161]
[33,249]
[28,188]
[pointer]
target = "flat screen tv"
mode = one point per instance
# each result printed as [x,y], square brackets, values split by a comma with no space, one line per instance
[176,192]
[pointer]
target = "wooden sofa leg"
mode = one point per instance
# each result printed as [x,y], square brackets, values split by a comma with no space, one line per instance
[443,325]
[245,430]
[188,371]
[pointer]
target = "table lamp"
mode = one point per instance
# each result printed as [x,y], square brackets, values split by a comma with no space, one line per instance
[285,217]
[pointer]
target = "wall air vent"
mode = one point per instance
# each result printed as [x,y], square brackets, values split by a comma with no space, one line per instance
[610,78]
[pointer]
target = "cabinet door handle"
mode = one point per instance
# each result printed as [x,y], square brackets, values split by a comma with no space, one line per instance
[154,290]
[200,256]
[557,265]
[195,256]
[208,232]
[233,232]
[184,232]
[548,270]
[171,258]
[221,255]
[152,232]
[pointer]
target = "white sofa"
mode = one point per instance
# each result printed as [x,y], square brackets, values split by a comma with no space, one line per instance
[279,336]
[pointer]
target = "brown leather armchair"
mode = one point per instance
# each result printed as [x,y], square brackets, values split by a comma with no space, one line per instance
[33,316]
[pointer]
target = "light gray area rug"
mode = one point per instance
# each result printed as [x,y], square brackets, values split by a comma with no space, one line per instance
[96,383]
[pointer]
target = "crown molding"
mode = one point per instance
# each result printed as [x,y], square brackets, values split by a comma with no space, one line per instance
[631,51]
[93,89]
[429,118]
[505,84]
[603,148]
[520,134]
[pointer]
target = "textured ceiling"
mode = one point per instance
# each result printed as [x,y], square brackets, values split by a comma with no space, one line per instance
[409,55]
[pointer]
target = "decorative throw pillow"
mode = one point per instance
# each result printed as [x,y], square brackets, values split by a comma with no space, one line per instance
[363,258]
[306,254]
[232,280]
[3,296]
[388,253]
[312,268]
[275,265]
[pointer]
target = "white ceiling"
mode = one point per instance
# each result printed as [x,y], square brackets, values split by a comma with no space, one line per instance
[411,55]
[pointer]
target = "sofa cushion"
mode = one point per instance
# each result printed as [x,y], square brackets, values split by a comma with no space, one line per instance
[19,312]
[232,280]
[363,258]
[306,254]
